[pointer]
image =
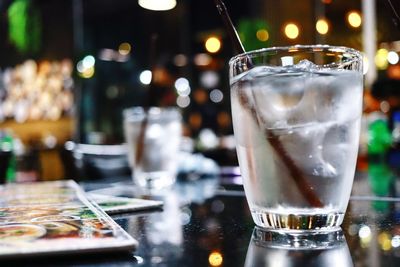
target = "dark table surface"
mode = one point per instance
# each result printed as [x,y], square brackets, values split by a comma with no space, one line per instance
[207,223]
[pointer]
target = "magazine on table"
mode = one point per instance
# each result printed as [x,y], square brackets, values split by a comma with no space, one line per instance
[55,218]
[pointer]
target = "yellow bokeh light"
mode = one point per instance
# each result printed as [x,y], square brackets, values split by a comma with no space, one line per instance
[322,26]
[292,31]
[124,49]
[213,44]
[87,73]
[262,35]
[385,241]
[381,59]
[215,258]
[354,19]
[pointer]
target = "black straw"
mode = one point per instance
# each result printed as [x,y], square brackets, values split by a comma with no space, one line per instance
[395,15]
[234,36]
[150,100]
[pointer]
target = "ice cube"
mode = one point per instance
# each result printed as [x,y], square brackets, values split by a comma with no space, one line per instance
[305,145]
[305,65]
[324,169]
[276,95]
[348,95]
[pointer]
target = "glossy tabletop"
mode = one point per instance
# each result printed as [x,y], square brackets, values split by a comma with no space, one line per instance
[207,223]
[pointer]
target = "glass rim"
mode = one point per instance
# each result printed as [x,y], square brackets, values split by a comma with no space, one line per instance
[355,54]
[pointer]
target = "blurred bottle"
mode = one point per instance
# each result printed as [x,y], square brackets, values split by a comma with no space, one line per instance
[362,159]
[5,156]
[7,149]
[394,155]
[379,137]
[396,130]
[381,180]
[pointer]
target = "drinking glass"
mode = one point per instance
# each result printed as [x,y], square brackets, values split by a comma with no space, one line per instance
[153,137]
[296,116]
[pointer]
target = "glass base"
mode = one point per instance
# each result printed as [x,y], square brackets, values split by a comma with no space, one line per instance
[298,239]
[154,180]
[298,222]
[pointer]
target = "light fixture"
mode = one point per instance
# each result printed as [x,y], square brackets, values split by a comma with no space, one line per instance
[157,5]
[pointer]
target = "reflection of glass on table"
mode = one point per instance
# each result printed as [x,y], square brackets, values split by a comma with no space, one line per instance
[264,251]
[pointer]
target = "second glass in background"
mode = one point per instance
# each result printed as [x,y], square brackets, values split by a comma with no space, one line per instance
[153,137]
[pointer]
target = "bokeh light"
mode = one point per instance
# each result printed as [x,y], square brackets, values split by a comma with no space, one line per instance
[145,77]
[393,57]
[262,35]
[385,241]
[202,59]
[322,26]
[381,58]
[182,86]
[124,49]
[365,235]
[183,101]
[180,60]
[213,44]
[209,79]
[216,96]
[364,232]
[88,62]
[85,67]
[215,258]
[354,19]
[88,73]
[292,31]
[157,5]
[396,241]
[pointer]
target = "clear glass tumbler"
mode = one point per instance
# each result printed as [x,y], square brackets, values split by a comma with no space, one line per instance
[296,116]
[153,137]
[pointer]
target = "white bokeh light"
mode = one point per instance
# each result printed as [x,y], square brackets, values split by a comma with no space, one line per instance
[145,77]
[216,96]
[88,62]
[182,86]
[80,67]
[209,79]
[183,101]
[393,57]
[396,241]
[364,232]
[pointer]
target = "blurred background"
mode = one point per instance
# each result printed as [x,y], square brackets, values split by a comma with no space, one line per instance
[69,68]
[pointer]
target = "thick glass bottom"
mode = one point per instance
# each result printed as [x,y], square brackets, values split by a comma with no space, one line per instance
[298,240]
[296,222]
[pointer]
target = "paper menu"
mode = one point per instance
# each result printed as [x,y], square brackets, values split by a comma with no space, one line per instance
[55,218]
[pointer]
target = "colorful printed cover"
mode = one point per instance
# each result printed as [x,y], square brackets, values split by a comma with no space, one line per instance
[54,218]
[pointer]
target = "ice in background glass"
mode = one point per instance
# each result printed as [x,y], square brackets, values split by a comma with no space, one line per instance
[153,138]
[296,116]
